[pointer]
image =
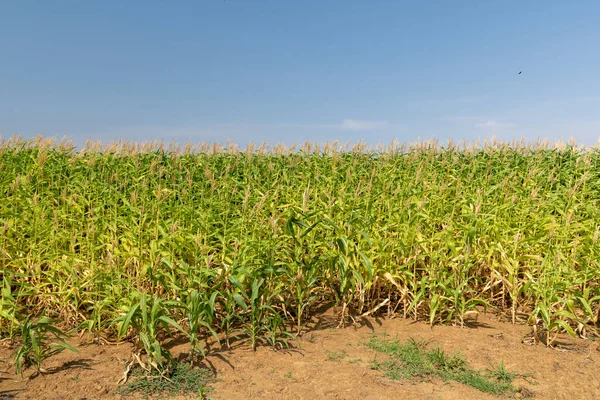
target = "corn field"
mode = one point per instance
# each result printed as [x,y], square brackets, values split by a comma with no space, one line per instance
[135,240]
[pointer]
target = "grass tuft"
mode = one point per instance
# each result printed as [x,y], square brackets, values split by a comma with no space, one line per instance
[183,380]
[416,360]
[336,356]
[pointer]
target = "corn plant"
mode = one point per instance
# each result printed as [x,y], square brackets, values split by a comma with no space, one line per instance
[429,231]
[199,313]
[9,316]
[261,321]
[149,317]
[300,268]
[36,346]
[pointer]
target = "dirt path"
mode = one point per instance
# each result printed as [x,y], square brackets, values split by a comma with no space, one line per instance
[335,364]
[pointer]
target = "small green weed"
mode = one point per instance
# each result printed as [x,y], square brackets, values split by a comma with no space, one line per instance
[336,356]
[501,374]
[414,359]
[183,380]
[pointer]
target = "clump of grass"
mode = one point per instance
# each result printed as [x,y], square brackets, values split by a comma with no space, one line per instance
[501,374]
[183,380]
[336,356]
[415,359]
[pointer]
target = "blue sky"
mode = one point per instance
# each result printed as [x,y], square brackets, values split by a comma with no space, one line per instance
[291,71]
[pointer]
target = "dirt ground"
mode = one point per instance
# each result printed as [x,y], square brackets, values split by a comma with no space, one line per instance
[570,372]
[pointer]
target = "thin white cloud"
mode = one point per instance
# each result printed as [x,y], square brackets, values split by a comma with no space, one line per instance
[494,124]
[458,119]
[363,125]
[479,121]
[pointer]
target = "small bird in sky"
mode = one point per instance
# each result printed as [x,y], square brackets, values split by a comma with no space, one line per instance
[520,72]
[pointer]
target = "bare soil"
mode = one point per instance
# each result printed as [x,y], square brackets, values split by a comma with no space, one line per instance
[570,371]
